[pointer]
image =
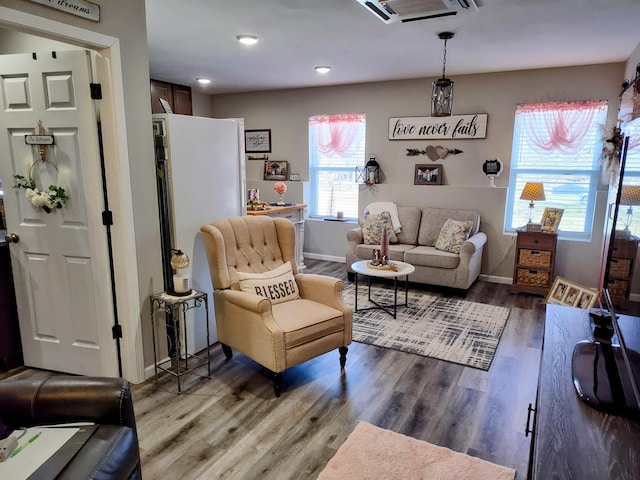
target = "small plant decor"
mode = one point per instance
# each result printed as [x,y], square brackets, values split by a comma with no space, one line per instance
[54,197]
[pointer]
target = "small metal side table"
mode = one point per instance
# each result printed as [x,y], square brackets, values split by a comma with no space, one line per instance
[177,308]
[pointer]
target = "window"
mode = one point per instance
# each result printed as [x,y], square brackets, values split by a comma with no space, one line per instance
[631,178]
[558,144]
[336,147]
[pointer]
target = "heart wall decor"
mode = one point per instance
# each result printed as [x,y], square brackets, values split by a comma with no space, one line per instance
[433,152]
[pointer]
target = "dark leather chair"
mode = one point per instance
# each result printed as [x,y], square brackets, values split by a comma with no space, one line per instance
[111,452]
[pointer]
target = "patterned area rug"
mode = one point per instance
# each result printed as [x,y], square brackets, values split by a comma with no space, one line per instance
[449,329]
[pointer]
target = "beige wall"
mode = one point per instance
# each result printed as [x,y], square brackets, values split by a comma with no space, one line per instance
[286,113]
[125,20]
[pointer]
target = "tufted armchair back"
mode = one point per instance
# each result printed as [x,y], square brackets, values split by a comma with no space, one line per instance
[250,244]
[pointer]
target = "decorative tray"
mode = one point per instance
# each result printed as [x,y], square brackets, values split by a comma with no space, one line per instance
[392,267]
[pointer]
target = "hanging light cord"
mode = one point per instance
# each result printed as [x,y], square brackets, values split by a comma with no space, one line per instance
[444,58]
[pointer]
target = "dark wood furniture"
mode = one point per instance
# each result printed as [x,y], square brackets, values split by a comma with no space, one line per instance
[621,265]
[178,96]
[10,344]
[534,263]
[570,438]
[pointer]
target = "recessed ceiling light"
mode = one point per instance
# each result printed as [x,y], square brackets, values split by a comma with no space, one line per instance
[323,69]
[247,39]
[203,81]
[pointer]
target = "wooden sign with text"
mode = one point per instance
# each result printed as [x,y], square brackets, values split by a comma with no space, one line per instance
[80,8]
[454,127]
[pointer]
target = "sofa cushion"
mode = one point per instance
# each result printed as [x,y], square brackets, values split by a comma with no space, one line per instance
[433,220]
[431,257]
[396,251]
[372,226]
[278,285]
[452,235]
[410,221]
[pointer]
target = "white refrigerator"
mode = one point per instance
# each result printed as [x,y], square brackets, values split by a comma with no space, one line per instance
[200,167]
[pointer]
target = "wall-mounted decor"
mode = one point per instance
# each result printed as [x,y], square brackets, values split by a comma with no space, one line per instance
[257,141]
[434,153]
[551,219]
[426,174]
[276,170]
[258,157]
[438,128]
[80,8]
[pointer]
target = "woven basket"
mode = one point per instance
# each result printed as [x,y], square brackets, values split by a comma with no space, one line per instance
[533,278]
[620,267]
[535,258]
[618,288]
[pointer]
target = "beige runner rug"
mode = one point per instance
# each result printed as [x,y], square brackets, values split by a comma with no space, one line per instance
[373,453]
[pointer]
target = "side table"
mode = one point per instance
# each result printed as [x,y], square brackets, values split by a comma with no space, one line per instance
[177,307]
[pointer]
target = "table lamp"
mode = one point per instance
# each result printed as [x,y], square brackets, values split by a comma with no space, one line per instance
[532,191]
[630,197]
[180,261]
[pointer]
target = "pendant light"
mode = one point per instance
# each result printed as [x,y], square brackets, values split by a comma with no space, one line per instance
[442,89]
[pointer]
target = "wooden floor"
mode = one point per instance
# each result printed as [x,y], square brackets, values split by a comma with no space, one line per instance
[233,427]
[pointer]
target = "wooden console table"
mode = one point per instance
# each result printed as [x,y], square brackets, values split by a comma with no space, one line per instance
[572,440]
[295,213]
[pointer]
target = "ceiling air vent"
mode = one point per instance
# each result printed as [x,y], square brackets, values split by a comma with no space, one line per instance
[391,11]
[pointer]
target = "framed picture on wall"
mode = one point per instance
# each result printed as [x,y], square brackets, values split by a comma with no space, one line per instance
[276,170]
[427,174]
[257,141]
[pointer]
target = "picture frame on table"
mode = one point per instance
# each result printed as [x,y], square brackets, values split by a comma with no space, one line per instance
[276,170]
[257,141]
[571,294]
[551,219]
[427,174]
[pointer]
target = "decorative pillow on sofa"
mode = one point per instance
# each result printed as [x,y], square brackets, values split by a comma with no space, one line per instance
[372,228]
[277,285]
[452,235]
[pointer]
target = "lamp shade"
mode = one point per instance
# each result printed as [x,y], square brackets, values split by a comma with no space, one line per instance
[630,195]
[533,191]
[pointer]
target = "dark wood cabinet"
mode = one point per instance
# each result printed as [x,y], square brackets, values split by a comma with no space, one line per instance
[534,263]
[10,344]
[621,265]
[572,440]
[178,97]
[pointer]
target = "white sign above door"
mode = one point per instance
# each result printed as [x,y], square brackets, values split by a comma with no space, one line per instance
[438,128]
[80,8]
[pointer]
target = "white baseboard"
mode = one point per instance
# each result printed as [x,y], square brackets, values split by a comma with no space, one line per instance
[326,258]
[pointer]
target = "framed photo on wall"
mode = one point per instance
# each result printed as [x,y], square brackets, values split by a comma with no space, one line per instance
[276,170]
[551,219]
[257,141]
[427,174]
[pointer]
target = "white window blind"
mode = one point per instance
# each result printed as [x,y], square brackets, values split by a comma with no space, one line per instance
[332,163]
[570,179]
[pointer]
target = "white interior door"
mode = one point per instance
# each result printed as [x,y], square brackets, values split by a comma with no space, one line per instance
[60,263]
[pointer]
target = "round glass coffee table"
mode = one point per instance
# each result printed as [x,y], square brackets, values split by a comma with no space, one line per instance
[403,270]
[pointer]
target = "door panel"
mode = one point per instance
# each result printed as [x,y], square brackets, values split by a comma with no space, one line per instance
[60,265]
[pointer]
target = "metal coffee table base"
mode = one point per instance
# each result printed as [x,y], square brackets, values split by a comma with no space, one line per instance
[391,309]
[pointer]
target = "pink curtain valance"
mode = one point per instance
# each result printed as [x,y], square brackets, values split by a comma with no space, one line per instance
[334,134]
[559,126]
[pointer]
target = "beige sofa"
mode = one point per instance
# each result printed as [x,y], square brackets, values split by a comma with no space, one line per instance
[416,245]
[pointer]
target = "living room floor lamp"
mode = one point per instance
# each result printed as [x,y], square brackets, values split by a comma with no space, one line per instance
[533,192]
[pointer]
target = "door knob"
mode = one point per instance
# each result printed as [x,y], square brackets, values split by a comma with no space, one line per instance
[12,238]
